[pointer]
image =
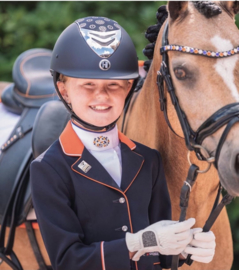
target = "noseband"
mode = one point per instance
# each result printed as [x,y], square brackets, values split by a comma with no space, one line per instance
[228,114]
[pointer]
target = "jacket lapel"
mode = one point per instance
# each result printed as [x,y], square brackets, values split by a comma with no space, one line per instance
[88,166]
[131,166]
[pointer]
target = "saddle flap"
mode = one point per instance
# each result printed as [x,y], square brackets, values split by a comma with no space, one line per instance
[49,124]
[15,157]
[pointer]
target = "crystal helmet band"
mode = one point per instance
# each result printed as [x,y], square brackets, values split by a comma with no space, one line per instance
[94,48]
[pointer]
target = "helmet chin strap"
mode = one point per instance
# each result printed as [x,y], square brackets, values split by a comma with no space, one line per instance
[90,126]
[78,119]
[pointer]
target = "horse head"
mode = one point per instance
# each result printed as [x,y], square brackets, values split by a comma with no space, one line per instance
[202,47]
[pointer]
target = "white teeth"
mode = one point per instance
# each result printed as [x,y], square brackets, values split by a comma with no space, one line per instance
[100,108]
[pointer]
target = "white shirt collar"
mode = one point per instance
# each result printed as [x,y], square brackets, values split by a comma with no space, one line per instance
[87,137]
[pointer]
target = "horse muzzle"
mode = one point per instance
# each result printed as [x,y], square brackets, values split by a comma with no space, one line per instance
[228,168]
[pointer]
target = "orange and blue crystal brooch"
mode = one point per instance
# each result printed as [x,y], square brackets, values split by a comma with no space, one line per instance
[191,50]
[101,141]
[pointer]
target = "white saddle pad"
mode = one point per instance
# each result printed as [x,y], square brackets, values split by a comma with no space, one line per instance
[8,121]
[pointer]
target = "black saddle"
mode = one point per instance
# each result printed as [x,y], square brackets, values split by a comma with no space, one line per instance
[32,87]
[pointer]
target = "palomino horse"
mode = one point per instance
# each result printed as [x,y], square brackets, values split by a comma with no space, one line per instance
[203,86]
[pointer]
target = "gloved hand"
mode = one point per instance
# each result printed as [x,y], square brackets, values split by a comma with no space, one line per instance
[202,246]
[166,236]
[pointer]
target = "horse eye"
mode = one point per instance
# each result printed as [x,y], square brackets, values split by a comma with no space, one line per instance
[180,73]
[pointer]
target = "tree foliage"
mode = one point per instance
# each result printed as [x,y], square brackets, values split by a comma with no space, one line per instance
[26,25]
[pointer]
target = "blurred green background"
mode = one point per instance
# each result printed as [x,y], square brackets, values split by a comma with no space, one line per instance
[26,25]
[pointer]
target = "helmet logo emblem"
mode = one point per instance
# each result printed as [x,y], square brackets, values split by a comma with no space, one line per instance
[105,64]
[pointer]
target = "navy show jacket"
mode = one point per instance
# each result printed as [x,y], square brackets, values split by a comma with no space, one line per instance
[84,216]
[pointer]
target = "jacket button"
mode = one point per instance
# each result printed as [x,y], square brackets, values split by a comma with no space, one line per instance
[122,200]
[124,228]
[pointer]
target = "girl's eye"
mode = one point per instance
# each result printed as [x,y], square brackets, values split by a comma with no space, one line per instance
[180,73]
[113,85]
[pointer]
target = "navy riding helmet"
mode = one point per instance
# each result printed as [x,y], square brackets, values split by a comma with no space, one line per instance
[94,48]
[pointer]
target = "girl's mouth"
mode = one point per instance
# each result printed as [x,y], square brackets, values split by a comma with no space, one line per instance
[100,108]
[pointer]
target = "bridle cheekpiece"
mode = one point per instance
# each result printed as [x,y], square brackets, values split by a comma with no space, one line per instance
[228,114]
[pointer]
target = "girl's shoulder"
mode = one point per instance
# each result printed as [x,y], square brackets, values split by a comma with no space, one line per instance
[149,154]
[53,155]
[142,148]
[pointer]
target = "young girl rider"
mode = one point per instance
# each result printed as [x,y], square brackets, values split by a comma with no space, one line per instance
[101,200]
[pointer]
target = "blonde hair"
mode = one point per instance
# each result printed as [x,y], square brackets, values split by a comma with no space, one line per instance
[62,78]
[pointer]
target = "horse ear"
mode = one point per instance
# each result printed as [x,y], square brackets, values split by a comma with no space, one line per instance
[231,6]
[177,8]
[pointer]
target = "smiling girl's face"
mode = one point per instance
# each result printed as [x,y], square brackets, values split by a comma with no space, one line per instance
[98,102]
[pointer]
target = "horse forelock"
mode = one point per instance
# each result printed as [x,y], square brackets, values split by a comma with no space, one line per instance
[207,8]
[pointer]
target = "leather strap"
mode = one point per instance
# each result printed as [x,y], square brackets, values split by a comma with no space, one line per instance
[35,246]
[184,198]
[163,102]
[13,262]
[127,102]
[212,218]
[12,206]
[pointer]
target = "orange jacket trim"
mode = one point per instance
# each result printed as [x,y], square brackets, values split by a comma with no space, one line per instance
[70,143]
[126,199]
[134,177]
[126,140]
[72,146]
[102,255]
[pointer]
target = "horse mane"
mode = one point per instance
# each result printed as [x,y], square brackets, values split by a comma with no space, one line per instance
[152,33]
[206,8]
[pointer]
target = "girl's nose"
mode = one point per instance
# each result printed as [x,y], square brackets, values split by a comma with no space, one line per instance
[101,92]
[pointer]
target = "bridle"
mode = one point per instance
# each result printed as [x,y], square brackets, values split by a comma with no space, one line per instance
[228,114]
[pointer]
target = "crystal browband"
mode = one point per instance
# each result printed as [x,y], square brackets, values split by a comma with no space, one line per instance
[191,50]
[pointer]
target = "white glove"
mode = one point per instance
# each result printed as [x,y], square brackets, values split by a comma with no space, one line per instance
[202,246]
[166,237]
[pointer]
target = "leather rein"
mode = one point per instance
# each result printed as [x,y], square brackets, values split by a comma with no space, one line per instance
[227,115]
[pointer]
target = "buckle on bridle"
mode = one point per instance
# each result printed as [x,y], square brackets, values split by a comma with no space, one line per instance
[208,158]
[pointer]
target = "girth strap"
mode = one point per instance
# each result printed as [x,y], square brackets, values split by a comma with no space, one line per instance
[35,246]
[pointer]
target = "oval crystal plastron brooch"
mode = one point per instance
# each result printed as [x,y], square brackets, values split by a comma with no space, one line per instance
[101,141]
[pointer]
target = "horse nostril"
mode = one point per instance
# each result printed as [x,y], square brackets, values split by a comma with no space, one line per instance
[237,164]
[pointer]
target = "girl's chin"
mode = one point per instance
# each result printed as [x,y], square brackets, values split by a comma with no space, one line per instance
[101,123]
